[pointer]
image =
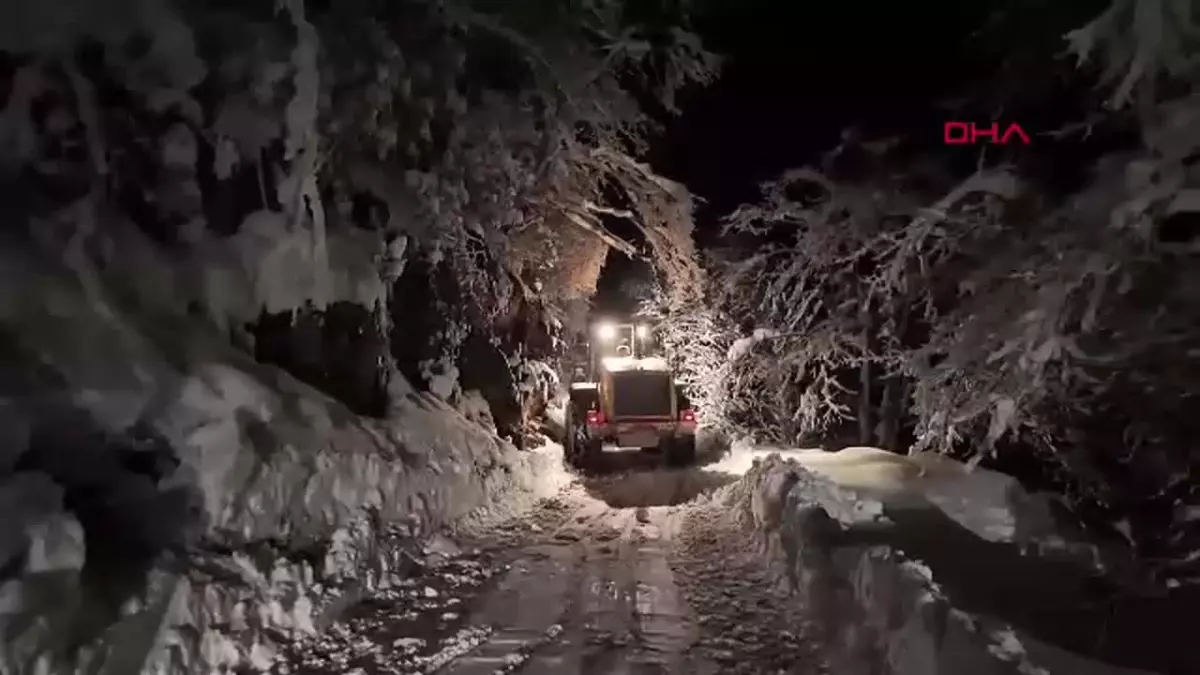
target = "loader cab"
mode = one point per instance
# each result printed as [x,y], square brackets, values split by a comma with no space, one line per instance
[625,340]
[615,339]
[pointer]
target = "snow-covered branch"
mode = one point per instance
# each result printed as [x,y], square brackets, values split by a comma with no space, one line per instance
[991,316]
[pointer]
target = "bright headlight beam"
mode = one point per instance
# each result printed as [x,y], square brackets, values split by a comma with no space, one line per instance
[643,331]
[606,331]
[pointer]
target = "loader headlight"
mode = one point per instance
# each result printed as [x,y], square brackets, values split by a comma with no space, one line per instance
[643,332]
[606,332]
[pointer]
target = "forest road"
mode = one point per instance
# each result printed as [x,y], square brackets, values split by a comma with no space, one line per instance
[632,571]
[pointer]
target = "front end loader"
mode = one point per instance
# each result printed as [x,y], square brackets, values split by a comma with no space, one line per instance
[627,397]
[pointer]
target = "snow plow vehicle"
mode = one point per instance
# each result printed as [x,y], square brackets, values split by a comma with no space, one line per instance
[627,396]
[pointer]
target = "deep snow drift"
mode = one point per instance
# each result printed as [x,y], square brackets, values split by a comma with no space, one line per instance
[882,551]
[172,506]
[992,505]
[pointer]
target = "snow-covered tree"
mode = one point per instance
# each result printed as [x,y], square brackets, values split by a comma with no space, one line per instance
[305,177]
[994,316]
[696,338]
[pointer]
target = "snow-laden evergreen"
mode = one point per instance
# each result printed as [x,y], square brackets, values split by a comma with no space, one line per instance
[277,277]
[992,317]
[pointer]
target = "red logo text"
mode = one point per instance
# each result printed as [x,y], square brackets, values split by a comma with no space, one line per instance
[969,133]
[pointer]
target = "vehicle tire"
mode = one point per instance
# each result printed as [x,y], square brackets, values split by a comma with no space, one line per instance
[589,458]
[681,451]
[571,435]
[579,449]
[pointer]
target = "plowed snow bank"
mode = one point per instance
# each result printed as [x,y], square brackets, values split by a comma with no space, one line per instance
[237,504]
[882,611]
[992,505]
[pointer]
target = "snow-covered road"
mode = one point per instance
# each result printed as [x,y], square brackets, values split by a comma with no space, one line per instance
[613,576]
[724,568]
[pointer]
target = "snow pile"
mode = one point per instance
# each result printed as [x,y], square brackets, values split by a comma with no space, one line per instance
[554,419]
[879,610]
[992,505]
[473,406]
[556,413]
[261,505]
[845,506]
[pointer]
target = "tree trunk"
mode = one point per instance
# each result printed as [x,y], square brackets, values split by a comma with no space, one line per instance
[892,409]
[866,417]
[895,392]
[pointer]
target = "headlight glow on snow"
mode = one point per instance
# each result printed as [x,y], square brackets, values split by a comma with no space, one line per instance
[606,331]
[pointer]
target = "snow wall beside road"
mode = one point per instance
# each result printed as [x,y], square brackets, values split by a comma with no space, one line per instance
[172,506]
[880,612]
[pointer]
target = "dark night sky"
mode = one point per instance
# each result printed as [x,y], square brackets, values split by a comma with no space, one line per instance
[797,73]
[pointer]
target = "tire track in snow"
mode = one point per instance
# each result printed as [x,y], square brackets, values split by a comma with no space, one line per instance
[525,611]
[619,612]
[585,588]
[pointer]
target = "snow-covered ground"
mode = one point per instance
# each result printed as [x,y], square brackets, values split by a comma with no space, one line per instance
[581,585]
[255,502]
[905,584]
[992,505]
[681,572]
